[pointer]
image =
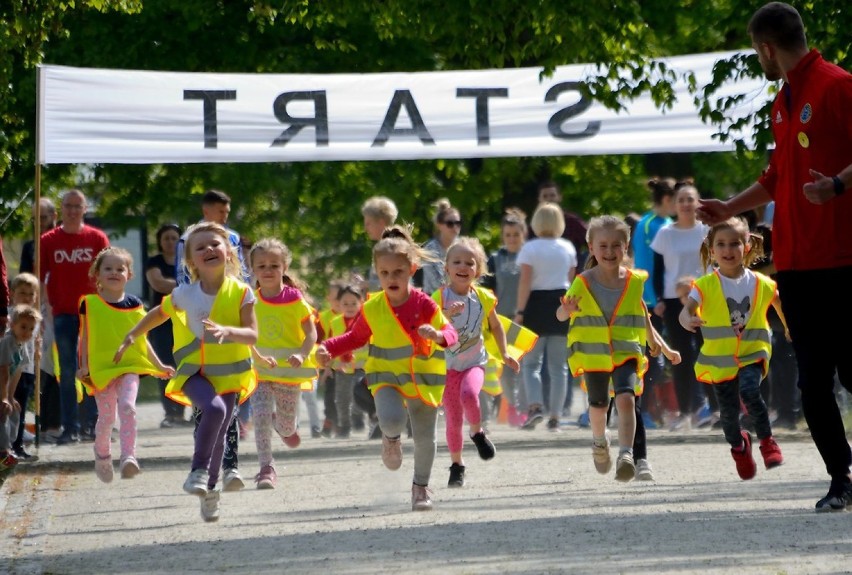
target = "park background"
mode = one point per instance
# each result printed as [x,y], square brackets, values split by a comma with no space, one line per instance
[314,206]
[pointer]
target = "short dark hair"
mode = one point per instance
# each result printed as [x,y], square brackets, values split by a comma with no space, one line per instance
[215,197]
[780,24]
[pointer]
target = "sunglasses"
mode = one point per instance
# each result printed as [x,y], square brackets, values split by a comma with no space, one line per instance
[452,223]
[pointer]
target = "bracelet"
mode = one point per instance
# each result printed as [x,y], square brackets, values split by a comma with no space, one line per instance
[839,188]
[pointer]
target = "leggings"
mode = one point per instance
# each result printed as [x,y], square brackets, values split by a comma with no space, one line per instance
[218,411]
[391,410]
[275,406]
[461,401]
[121,394]
[344,383]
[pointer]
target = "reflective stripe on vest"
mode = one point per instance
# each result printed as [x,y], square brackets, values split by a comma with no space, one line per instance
[392,353]
[724,352]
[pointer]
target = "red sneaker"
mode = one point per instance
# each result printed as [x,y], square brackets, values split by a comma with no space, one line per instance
[293,441]
[771,452]
[746,467]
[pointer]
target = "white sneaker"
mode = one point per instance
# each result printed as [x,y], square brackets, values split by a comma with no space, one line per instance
[232,481]
[103,468]
[625,469]
[643,470]
[129,467]
[210,506]
[196,482]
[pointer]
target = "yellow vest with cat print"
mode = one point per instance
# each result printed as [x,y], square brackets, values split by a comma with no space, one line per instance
[724,352]
[391,359]
[280,335]
[226,365]
[106,327]
[338,327]
[597,345]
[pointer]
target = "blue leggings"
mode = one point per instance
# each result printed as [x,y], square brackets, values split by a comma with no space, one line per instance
[210,435]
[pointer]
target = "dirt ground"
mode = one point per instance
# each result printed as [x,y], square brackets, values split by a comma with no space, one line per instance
[538,507]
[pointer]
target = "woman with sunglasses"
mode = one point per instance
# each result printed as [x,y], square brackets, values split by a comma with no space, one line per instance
[448,224]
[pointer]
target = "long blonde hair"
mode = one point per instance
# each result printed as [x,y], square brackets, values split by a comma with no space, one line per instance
[232,266]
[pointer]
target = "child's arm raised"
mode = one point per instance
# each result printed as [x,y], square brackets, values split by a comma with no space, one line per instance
[151,320]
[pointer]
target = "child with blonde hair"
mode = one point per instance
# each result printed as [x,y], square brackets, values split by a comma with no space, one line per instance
[105,318]
[14,353]
[729,305]
[403,326]
[472,310]
[609,329]
[283,363]
[214,327]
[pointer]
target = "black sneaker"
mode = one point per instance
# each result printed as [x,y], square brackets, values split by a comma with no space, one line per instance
[67,438]
[534,417]
[483,446]
[456,475]
[23,456]
[553,424]
[838,498]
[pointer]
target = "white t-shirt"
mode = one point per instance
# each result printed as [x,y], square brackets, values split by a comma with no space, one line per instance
[551,259]
[680,249]
[738,295]
[197,304]
[469,351]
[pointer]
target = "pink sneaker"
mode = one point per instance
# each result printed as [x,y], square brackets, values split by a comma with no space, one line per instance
[267,477]
[292,441]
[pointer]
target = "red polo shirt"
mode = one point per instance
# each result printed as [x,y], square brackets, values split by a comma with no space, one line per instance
[812,125]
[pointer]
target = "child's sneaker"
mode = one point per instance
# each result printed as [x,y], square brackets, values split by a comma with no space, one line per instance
[129,467]
[771,452]
[534,417]
[625,469]
[456,475]
[292,441]
[391,452]
[266,478]
[420,500]
[232,480]
[601,456]
[746,467]
[553,424]
[643,470]
[210,506]
[483,445]
[103,468]
[196,482]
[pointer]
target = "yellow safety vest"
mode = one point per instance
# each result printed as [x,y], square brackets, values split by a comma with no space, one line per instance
[226,365]
[325,318]
[280,335]
[107,327]
[724,352]
[594,344]
[391,359]
[338,327]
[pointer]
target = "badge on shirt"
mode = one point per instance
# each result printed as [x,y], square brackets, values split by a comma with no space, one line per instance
[778,118]
[803,140]
[807,113]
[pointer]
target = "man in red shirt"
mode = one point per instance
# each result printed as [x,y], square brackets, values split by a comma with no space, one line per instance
[66,254]
[808,176]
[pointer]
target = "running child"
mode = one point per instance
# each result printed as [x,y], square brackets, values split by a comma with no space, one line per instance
[402,325]
[286,336]
[24,290]
[214,327]
[607,337]
[472,310]
[349,371]
[105,318]
[13,355]
[729,305]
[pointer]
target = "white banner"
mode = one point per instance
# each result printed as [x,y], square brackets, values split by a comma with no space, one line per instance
[140,117]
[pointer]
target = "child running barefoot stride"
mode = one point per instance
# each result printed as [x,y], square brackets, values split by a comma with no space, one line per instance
[471,310]
[105,318]
[214,327]
[607,337]
[402,325]
[730,305]
[286,337]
